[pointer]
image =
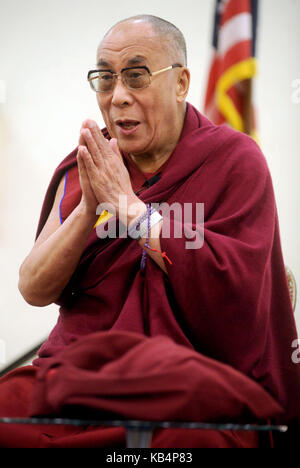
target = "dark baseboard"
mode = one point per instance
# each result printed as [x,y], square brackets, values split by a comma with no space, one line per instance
[21,360]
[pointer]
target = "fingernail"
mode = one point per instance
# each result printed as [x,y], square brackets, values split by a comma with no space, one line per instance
[92,124]
[85,132]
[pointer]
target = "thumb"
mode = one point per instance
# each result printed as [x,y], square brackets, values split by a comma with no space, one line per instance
[113,143]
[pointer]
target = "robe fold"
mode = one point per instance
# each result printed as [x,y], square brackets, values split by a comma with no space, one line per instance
[130,376]
[227,300]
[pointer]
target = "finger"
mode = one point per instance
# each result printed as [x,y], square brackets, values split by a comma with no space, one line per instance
[79,159]
[92,147]
[101,141]
[113,143]
[81,138]
[83,177]
[81,141]
[90,167]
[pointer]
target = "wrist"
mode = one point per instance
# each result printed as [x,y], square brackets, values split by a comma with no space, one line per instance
[86,213]
[140,227]
[133,210]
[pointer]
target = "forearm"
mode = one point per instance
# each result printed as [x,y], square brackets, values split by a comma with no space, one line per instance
[49,266]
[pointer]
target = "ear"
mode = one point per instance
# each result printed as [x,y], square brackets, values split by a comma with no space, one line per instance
[183,84]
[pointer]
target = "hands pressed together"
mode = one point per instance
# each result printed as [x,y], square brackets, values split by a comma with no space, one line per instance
[102,173]
[104,177]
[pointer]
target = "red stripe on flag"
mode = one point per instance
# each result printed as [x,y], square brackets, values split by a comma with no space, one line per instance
[233,8]
[236,54]
[212,80]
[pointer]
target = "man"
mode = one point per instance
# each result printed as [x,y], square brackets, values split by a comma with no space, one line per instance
[226,298]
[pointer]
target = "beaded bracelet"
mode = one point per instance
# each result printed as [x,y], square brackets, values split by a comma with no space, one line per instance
[140,227]
[138,224]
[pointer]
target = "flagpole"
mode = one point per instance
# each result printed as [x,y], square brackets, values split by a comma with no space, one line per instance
[245,88]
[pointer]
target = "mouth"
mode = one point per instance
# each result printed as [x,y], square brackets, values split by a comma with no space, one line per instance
[127,126]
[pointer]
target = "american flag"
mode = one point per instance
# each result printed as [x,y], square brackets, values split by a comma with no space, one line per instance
[229,90]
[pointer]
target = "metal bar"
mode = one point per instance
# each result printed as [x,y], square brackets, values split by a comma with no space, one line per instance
[146,425]
[136,438]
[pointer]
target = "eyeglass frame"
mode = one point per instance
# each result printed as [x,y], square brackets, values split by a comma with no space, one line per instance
[116,76]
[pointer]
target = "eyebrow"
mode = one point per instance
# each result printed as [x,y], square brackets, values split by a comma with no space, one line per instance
[136,59]
[102,63]
[133,61]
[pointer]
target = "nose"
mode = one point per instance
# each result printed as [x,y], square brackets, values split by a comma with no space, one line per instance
[121,95]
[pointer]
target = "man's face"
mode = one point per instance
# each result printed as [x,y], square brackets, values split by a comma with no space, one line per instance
[152,111]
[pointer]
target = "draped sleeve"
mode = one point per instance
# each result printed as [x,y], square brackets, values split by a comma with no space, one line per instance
[232,290]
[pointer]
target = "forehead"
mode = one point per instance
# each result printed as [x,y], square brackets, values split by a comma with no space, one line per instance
[131,42]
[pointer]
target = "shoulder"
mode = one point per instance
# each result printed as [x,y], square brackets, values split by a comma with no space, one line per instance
[241,155]
[224,147]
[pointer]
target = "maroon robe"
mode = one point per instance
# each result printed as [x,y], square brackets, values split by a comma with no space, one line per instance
[228,300]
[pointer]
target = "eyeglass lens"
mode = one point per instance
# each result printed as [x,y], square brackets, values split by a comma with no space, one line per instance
[134,78]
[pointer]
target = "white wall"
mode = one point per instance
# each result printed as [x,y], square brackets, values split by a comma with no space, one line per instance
[46,49]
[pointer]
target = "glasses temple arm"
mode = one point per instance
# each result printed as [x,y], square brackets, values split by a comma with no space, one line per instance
[161,71]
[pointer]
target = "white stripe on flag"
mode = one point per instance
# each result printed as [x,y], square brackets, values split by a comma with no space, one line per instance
[237,29]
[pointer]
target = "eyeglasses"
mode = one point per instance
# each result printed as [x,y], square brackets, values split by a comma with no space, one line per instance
[104,81]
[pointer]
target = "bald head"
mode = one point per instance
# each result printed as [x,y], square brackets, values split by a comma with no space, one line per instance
[167,32]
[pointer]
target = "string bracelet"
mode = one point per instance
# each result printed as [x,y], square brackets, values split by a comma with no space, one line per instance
[147,246]
[141,228]
[163,254]
[144,254]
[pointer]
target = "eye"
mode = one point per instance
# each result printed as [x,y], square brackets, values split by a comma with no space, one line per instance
[136,74]
[105,76]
